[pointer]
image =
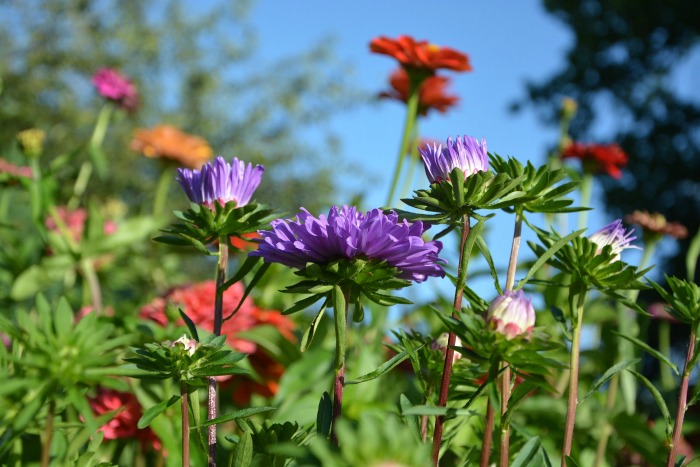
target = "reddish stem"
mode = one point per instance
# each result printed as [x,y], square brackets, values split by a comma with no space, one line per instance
[682,400]
[488,435]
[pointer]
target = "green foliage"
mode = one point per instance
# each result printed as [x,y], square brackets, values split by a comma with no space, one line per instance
[683,300]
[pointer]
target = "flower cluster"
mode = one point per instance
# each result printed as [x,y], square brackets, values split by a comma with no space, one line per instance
[613,234]
[116,88]
[431,93]
[168,142]
[598,158]
[420,54]
[512,314]
[348,233]
[221,181]
[656,224]
[465,153]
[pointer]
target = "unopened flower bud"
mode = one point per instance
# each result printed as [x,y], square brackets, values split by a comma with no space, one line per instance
[190,345]
[31,142]
[613,234]
[512,314]
[569,107]
[440,344]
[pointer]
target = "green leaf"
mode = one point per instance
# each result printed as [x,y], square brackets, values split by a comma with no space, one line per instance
[561,243]
[517,397]
[605,377]
[154,411]
[412,420]
[529,455]
[339,311]
[481,244]
[190,324]
[570,462]
[243,455]
[245,268]
[236,415]
[386,366]
[63,318]
[655,353]
[659,401]
[324,415]
[303,304]
[249,287]
[311,331]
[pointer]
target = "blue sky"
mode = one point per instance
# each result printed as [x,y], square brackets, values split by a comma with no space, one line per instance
[508,42]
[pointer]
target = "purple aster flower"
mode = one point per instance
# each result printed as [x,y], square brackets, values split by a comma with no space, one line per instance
[614,235]
[221,181]
[512,314]
[348,233]
[466,153]
[115,87]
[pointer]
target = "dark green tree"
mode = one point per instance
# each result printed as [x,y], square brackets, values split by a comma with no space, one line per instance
[622,60]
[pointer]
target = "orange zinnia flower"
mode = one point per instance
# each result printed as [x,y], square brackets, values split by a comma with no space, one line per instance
[598,158]
[420,54]
[168,142]
[431,94]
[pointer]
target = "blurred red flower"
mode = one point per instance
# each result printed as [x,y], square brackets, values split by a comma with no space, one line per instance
[420,54]
[124,423]
[197,301]
[598,158]
[431,94]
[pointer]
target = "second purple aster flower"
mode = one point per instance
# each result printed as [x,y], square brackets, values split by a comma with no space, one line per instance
[465,153]
[347,233]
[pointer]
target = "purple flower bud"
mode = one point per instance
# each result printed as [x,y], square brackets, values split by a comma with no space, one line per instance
[512,314]
[614,235]
[221,181]
[465,153]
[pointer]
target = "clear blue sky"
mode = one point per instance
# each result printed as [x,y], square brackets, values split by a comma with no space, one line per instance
[508,42]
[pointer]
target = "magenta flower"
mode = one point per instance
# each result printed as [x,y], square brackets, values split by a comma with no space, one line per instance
[465,153]
[614,235]
[116,88]
[348,233]
[221,181]
[512,314]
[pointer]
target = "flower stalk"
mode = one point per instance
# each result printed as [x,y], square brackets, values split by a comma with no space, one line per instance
[340,301]
[411,116]
[212,396]
[449,353]
[48,435]
[577,323]
[488,435]
[682,397]
[185,425]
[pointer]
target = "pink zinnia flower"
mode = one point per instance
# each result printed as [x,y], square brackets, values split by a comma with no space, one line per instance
[116,88]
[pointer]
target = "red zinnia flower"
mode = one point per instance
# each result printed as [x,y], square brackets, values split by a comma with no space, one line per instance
[124,423]
[420,54]
[431,94]
[598,158]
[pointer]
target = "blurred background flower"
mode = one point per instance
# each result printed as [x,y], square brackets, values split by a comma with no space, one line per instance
[168,142]
[116,88]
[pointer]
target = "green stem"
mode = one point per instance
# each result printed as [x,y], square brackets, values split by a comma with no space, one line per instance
[48,436]
[80,185]
[682,398]
[667,382]
[87,268]
[577,323]
[185,425]
[449,354]
[212,396]
[162,190]
[411,116]
[100,130]
[340,302]
[586,185]
[414,160]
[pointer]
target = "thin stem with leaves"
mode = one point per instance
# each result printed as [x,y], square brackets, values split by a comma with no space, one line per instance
[449,354]
[682,397]
[411,116]
[577,323]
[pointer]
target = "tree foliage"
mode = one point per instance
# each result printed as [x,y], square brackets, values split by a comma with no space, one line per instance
[623,57]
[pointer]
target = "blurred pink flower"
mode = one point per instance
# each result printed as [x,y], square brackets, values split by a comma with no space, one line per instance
[74,219]
[116,88]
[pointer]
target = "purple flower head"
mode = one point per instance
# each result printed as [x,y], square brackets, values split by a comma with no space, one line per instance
[348,233]
[614,235]
[466,153]
[115,87]
[221,181]
[512,314]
